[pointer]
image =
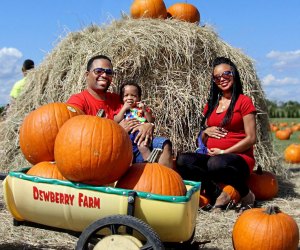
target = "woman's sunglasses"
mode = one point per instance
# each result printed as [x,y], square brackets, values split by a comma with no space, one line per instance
[225,75]
[100,71]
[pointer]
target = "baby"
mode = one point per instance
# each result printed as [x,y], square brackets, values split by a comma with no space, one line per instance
[130,94]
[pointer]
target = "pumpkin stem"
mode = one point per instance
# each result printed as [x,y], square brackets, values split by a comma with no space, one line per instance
[272,210]
[259,170]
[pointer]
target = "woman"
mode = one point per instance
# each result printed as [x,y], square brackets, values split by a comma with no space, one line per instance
[229,131]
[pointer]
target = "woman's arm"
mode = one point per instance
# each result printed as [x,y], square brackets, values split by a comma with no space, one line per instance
[249,140]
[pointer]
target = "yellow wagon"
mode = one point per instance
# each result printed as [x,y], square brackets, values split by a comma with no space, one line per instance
[107,217]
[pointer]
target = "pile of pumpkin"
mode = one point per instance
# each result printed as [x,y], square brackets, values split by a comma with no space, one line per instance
[157,9]
[63,143]
[283,131]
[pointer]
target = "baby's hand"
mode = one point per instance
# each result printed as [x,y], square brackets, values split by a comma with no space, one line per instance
[140,105]
[127,106]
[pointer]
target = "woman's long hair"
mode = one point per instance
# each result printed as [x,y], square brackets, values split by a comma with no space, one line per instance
[215,93]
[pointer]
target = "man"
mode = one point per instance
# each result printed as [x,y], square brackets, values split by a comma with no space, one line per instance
[28,64]
[95,100]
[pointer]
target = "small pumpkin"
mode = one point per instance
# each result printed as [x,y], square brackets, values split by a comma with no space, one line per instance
[185,12]
[203,200]
[39,129]
[265,228]
[231,191]
[148,9]
[46,169]
[295,128]
[92,150]
[153,178]
[283,134]
[263,184]
[292,153]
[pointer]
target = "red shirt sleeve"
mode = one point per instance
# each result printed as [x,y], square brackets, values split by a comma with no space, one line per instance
[247,106]
[77,101]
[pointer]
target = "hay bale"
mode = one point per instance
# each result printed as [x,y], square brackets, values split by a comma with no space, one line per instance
[171,60]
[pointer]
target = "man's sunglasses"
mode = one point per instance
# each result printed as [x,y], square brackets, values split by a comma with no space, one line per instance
[225,75]
[100,71]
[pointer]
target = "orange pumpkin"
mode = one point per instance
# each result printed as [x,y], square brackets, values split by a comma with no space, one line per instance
[263,184]
[273,128]
[39,129]
[203,200]
[92,150]
[231,191]
[292,153]
[148,8]
[265,228]
[295,128]
[283,134]
[153,178]
[185,12]
[46,169]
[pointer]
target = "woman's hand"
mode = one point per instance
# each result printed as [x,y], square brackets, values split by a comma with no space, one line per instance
[215,151]
[129,124]
[145,134]
[216,132]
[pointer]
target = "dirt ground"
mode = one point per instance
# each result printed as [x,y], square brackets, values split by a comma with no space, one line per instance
[213,231]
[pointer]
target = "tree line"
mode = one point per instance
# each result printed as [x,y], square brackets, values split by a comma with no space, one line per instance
[289,109]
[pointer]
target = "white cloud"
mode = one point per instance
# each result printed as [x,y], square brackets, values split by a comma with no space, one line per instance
[282,94]
[271,80]
[10,71]
[285,59]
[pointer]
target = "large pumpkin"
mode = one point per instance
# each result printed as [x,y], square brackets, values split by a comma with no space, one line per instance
[292,153]
[265,228]
[39,129]
[185,12]
[153,178]
[263,184]
[46,169]
[148,8]
[92,150]
[283,134]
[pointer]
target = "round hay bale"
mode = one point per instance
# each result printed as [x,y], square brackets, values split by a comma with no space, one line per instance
[171,61]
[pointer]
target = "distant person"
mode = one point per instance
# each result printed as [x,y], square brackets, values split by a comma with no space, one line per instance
[28,64]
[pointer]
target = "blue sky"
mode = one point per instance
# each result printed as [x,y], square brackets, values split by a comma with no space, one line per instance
[267,31]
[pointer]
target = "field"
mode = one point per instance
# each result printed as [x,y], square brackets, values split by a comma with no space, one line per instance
[213,231]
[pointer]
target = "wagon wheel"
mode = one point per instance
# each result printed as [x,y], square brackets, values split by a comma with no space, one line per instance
[118,230]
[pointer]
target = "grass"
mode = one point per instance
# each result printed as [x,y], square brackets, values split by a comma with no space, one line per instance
[281,145]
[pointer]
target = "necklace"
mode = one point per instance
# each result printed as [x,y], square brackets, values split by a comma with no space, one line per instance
[224,103]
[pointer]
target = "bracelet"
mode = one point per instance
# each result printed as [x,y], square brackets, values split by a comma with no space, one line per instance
[221,152]
[203,127]
[152,124]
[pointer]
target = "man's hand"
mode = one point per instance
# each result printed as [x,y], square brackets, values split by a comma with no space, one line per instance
[129,124]
[145,134]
